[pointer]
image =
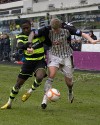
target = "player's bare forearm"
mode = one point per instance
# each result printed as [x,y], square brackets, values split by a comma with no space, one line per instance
[86,36]
[31,36]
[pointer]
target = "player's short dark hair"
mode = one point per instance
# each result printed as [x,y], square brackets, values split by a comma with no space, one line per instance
[91,31]
[25,21]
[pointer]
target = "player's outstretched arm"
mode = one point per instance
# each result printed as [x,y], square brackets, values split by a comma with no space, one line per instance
[31,37]
[86,36]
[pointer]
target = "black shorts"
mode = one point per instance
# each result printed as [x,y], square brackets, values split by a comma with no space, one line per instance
[30,67]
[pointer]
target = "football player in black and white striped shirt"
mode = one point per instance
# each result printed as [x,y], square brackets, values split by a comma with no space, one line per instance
[60,54]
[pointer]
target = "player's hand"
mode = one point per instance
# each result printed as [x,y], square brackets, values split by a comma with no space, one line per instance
[95,41]
[98,41]
[30,50]
[56,42]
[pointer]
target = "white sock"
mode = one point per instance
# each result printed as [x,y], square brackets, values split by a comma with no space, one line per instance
[30,90]
[44,99]
[10,101]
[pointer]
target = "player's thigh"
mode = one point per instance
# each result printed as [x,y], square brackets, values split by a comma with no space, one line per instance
[40,68]
[52,71]
[67,68]
[53,65]
[26,70]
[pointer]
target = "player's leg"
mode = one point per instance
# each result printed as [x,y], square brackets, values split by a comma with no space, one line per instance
[13,93]
[40,73]
[69,84]
[68,72]
[22,77]
[53,65]
[48,84]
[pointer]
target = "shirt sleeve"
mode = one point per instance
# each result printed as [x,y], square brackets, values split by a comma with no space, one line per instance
[73,30]
[44,31]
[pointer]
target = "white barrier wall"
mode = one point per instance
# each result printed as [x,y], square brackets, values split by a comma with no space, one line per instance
[31,9]
[90,48]
[43,5]
[97,34]
[11,5]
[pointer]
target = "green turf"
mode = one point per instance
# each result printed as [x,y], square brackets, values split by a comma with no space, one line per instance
[85,109]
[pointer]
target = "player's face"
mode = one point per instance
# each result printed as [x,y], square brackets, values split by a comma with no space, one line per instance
[26,28]
[90,34]
[56,26]
[57,30]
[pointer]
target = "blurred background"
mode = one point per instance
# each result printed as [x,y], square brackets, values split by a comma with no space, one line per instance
[83,14]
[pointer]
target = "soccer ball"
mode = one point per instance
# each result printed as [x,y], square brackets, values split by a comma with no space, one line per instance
[53,94]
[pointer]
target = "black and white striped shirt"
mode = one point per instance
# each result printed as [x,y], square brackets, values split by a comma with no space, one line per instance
[62,49]
[60,46]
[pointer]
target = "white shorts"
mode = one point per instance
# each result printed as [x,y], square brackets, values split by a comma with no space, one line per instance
[64,64]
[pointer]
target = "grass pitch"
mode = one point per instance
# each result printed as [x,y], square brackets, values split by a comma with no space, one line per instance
[85,110]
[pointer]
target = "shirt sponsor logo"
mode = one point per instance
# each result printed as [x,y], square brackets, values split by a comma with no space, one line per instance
[78,32]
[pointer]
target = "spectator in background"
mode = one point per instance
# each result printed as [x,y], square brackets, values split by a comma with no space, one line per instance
[1,47]
[91,34]
[6,48]
[76,43]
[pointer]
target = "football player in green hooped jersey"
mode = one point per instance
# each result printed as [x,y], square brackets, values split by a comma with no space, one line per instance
[34,62]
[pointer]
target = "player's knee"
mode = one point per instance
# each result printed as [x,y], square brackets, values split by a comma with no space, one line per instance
[39,78]
[69,81]
[40,74]
[51,75]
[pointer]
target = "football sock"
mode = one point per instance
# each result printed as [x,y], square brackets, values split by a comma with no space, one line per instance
[13,93]
[70,89]
[34,86]
[48,84]
[44,99]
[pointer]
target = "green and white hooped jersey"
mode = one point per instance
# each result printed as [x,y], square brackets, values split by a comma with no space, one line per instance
[38,52]
[37,43]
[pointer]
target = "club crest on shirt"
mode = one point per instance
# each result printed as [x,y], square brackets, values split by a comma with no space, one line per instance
[78,32]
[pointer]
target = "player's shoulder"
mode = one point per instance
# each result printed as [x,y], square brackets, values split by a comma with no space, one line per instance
[35,31]
[18,35]
[45,28]
[67,25]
